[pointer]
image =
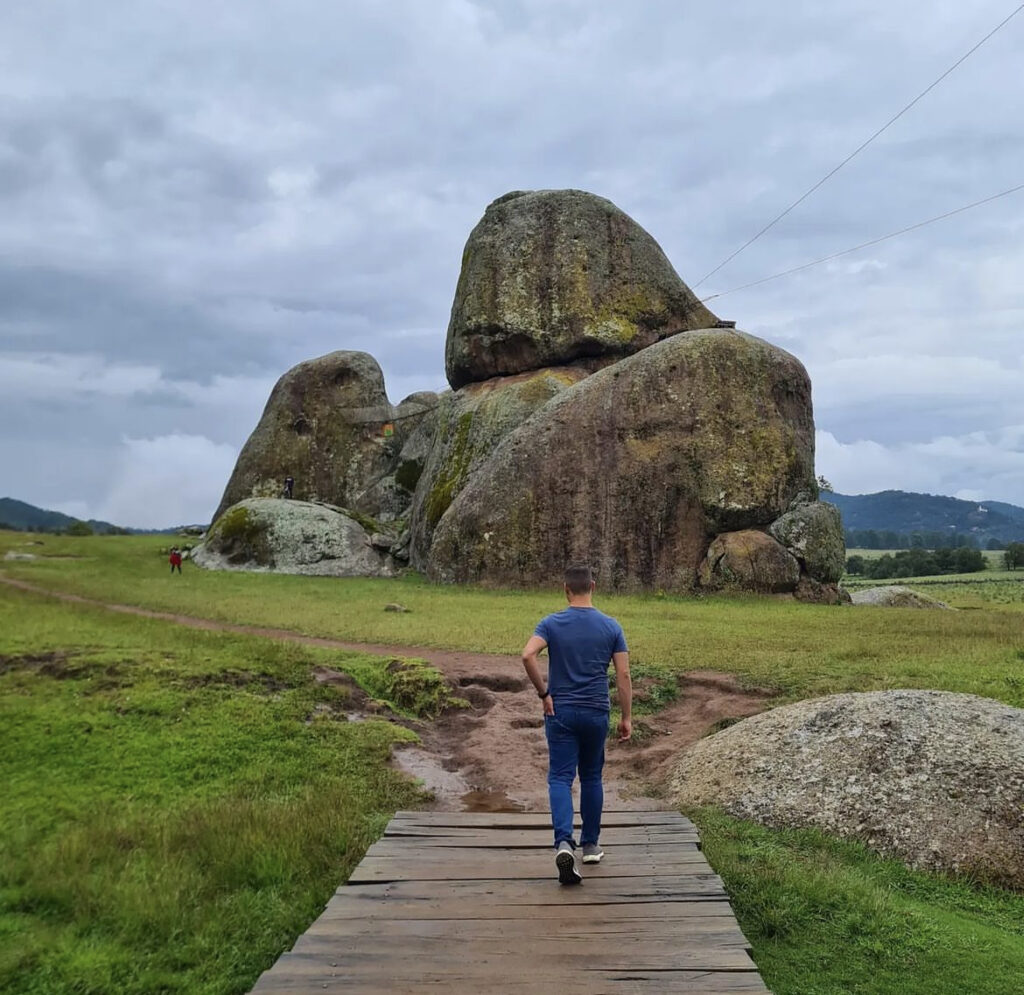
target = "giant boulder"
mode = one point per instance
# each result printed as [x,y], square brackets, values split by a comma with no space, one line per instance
[325,426]
[813,533]
[552,276]
[636,467]
[934,778]
[470,424]
[292,537]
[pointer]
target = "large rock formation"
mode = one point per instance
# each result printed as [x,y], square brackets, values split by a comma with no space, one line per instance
[325,425]
[292,537]
[637,467]
[599,412]
[934,778]
[551,276]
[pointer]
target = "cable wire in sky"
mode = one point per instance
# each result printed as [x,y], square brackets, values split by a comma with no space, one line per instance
[860,148]
[864,245]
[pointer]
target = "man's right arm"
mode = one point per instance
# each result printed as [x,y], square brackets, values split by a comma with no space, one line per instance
[624,686]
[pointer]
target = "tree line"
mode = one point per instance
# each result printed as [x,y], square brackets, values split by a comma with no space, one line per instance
[930,562]
[928,539]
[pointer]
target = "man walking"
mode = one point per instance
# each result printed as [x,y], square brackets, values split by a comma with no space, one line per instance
[581,642]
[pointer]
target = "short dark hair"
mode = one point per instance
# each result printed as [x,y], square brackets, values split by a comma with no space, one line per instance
[579,578]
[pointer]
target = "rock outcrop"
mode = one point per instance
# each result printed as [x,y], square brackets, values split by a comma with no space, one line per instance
[895,596]
[553,276]
[934,778]
[327,426]
[294,537]
[637,467]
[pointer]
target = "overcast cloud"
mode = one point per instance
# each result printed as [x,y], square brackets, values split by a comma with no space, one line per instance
[194,197]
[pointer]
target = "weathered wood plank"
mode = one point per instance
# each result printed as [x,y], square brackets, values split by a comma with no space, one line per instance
[645,849]
[447,836]
[696,907]
[664,888]
[632,982]
[538,820]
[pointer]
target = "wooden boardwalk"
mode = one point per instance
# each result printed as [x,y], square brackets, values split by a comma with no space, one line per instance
[469,902]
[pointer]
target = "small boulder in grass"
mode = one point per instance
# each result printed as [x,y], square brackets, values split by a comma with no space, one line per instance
[394,607]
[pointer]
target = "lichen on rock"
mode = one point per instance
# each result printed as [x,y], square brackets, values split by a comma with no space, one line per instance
[636,467]
[751,561]
[262,534]
[552,276]
[813,533]
[934,778]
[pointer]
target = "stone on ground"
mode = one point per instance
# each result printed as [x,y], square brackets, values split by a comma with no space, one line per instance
[934,778]
[895,596]
[553,276]
[294,537]
[751,561]
[813,533]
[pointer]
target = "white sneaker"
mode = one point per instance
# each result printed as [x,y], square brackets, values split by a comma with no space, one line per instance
[592,853]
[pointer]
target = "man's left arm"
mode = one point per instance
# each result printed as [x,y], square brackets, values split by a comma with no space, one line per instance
[530,651]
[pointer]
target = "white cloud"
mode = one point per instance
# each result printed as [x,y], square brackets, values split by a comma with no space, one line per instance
[985,465]
[168,480]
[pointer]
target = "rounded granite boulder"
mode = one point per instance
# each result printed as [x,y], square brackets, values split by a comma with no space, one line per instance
[931,777]
[292,537]
[552,276]
[325,426]
[636,468]
[750,561]
[813,533]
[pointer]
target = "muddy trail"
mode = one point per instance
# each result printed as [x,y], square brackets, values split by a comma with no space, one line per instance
[492,756]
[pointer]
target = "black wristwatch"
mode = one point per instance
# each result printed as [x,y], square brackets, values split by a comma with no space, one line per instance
[543,694]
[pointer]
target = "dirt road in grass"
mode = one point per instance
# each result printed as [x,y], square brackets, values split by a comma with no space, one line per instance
[492,755]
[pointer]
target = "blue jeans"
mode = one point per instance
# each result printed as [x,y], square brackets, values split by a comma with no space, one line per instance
[576,737]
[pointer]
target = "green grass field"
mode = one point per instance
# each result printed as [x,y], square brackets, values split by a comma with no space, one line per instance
[179,804]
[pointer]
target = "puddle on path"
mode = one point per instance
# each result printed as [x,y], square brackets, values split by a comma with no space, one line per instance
[450,788]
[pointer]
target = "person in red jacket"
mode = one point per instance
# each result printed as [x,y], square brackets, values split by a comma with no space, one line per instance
[175,559]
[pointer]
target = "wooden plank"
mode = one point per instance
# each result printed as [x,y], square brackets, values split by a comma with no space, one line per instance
[538,820]
[665,888]
[652,849]
[445,836]
[632,982]
[370,959]
[697,907]
[529,867]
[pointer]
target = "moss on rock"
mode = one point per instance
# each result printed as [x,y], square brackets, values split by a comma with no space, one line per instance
[552,276]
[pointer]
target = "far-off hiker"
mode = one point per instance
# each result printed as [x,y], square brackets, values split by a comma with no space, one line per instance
[289,486]
[175,559]
[581,642]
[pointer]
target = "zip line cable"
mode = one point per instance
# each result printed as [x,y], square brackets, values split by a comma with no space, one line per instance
[864,245]
[860,148]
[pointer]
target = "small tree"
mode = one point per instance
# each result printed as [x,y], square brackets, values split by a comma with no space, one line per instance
[77,528]
[825,485]
[855,564]
[1014,555]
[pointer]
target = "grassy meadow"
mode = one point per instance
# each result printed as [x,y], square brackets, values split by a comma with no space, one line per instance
[179,804]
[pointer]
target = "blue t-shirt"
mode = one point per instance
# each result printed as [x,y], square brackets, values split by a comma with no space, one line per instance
[581,642]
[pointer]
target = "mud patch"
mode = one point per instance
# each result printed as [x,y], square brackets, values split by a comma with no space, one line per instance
[53,665]
[493,682]
[236,679]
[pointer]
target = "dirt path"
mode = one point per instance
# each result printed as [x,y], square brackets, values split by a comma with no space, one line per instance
[493,756]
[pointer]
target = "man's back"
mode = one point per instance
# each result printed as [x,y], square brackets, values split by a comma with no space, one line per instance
[581,642]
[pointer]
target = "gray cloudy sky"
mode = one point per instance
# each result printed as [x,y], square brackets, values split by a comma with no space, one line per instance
[195,196]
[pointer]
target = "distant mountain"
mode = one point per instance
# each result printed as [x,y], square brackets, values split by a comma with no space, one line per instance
[20,515]
[905,513]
